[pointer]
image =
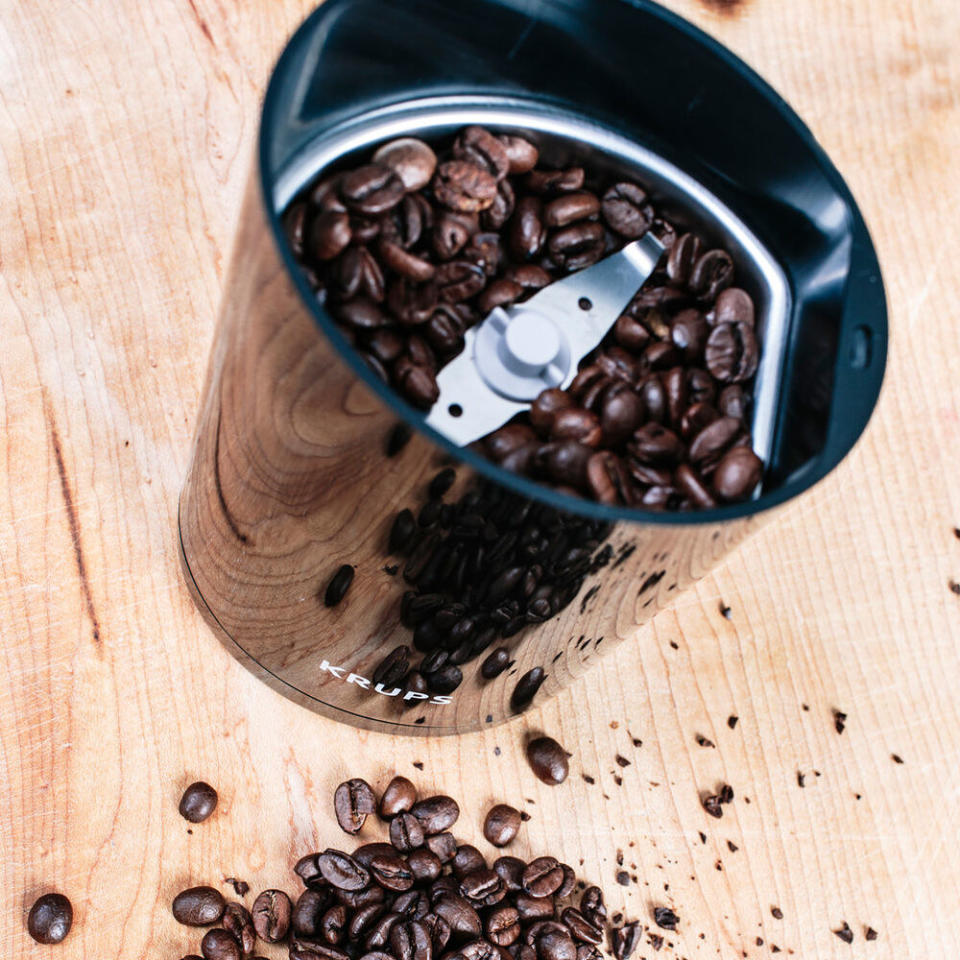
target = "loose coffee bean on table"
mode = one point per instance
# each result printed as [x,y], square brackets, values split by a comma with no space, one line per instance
[501,824]
[353,802]
[387,902]
[50,918]
[413,248]
[548,760]
[199,800]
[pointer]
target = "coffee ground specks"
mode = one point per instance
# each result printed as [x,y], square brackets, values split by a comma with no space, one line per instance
[845,933]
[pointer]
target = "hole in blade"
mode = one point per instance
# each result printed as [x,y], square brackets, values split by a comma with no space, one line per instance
[455,410]
[585,303]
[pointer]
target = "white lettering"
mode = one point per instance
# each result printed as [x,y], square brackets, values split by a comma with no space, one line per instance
[416,695]
[336,671]
[387,693]
[359,681]
[441,700]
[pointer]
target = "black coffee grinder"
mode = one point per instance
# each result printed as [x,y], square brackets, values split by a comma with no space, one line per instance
[304,458]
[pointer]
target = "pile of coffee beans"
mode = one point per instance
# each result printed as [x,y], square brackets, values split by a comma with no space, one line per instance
[423,895]
[411,249]
[481,569]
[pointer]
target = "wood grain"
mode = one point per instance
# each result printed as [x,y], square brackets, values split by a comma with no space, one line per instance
[125,132]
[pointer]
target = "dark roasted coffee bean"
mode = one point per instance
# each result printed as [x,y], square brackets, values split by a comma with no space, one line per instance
[701,387]
[654,444]
[710,443]
[294,227]
[357,274]
[51,917]
[526,231]
[411,304]
[410,940]
[501,824]
[576,246]
[271,915]
[446,679]
[218,944]
[411,160]
[548,760]
[308,870]
[695,418]
[569,208]
[316,951]
[731,353]
[711,274]
[659,498]
[547,405]
[507,440]
[543,876]
[407,264]
[586,951]
[621,411]
[654,398]
[737,474]
[526,688]
[330,235]
[630,333]
[375,365]
[496,663]
[339,585]
[650,476]
[308,913]
[582,929]
[480,147]
[444,330]
[198,906]
[467,859]
[555,181]
[341,871]
[451,231]
[391,872]
[402,532]
[482,885]
[608,478]
[424,865]
[364,854]
[372,189]
[392,668]
[238,922]
[386,344]
[464,187]
[500,293]
[436,814]
[486,251]
[361,314]
[442,845]
[500,211]
[356,899]
[407,222]
[691,485]
[332,925]
[556,944]
[459,280]
[522,155]
[734,402]
[510,870]
[683,255]
[461,917]
[573,423]
[689,332]
[565,462]
[675,385]
[626,210]
[733,305]
[660,355]
[664,917]
[625,940]
[593,907]
[502,926]
[378,930]
[399,796]
[199,800]
[530,276]
[406,834]
[418,384]
[479,950]
[532,909]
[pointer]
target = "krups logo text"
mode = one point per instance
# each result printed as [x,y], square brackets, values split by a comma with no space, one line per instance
[341,673]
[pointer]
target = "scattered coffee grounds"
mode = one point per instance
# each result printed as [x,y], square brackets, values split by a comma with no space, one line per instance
[50,918]
[845,933]
[725,611]
[501,824]
[199,800]
[621,761]
[481,569]
[588,779]
[412,248]
[896,758]
[759,941]
[240,887]
[198,906]
[954,587]
[732,721]
[839,720]
[703,836]
[623,878]
[409,901]
[655,940]
[665,918]
[711,804]
[625,940]
[548,760]
[726,793]
[870,934]
[801,778]
[338,586]
[704,741]
[732,847]
[776,913]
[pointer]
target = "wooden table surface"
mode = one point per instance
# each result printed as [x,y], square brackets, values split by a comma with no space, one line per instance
[125,140]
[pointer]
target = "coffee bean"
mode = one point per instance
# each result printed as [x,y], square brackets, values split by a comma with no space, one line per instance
[737,474]
[501,824]
[630,333]
[308,912]
[446,679]
[392,667]
[418,384]
[526,231]
[339,585]
[436,814]
[461,917]
[556,944]
[271,913]
[731,353]
[690,484]
[573,423]
[548,760]
[522,155]
[582,929]
[565,462]
[500,211]
[695,418]
[442,845]
[198,906]
[576,246]
[654,444]
[689,332]
[464,187]
[711,274]
[341,871]
[664,917]
[495,664]
[353,802]
[50,918]
[411,941]
[710,443]
[238,922]
[500,293]
[372,189]
[480,147]
[530,276]
[482,886]
[406,834]
[555,181]
[294,227]
[330,235]
[569,208]
[199,800]
[608,478]
[527,686]
[683,256]
[459,280]
[357,274]
[626,210]
[502,926]
[218,944]
[625,940]
[733,305]
[412,160]
[621,411]
[407,264]
[391,872]
[543,876]
[399,796]
[424,865]
[533,908]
